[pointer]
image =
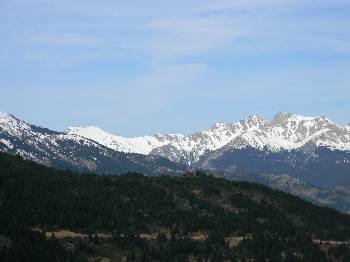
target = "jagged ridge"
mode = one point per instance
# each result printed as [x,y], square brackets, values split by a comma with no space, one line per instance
[285,132]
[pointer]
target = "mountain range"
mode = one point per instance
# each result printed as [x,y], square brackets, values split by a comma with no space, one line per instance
[285,132]
[69,151]
[314,149]
[306,156]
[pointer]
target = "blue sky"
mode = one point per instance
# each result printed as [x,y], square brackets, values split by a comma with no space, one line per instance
[143,67]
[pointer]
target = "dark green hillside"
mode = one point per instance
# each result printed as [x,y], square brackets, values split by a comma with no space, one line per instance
[158,218]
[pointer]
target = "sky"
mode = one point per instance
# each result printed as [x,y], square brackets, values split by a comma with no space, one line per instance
[144,67]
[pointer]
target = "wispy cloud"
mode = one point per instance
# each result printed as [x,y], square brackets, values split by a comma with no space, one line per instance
[157,89]
[251,5]
[190,36]
[159,54]
[227,5]
[62,39]
[162,76]
[163,32]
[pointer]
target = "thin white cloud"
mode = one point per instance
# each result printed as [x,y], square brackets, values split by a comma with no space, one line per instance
[63,39]
[190,36]
[250,5]
[202,29]
[268,26]
[225,5]
[164,77]
[156,90]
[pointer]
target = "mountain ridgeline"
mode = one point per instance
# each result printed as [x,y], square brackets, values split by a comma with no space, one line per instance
[51,215]
[305,156]
[310,148]
[69,151]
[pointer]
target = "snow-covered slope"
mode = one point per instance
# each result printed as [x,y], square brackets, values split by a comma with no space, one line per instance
[141,145]
[69,150]
[285,132]
[175,145]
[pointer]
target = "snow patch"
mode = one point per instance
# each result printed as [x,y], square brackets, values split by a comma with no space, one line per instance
[6,143]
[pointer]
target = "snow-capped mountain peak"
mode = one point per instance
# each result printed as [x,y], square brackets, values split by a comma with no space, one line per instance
[284,118]
[73,151]
[12,125]
[289,121]
[253,122]
[286,131]
[7,119]
[254,118]
[218,125]
[102,137]
[3,116]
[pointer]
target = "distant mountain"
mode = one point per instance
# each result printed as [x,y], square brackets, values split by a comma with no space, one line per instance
[140,145]
[335,198]
[70,151]
[284,133]
[313,149]
[319,165]
[305,156]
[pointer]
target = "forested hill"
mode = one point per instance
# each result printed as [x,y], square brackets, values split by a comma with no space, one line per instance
[141,218]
